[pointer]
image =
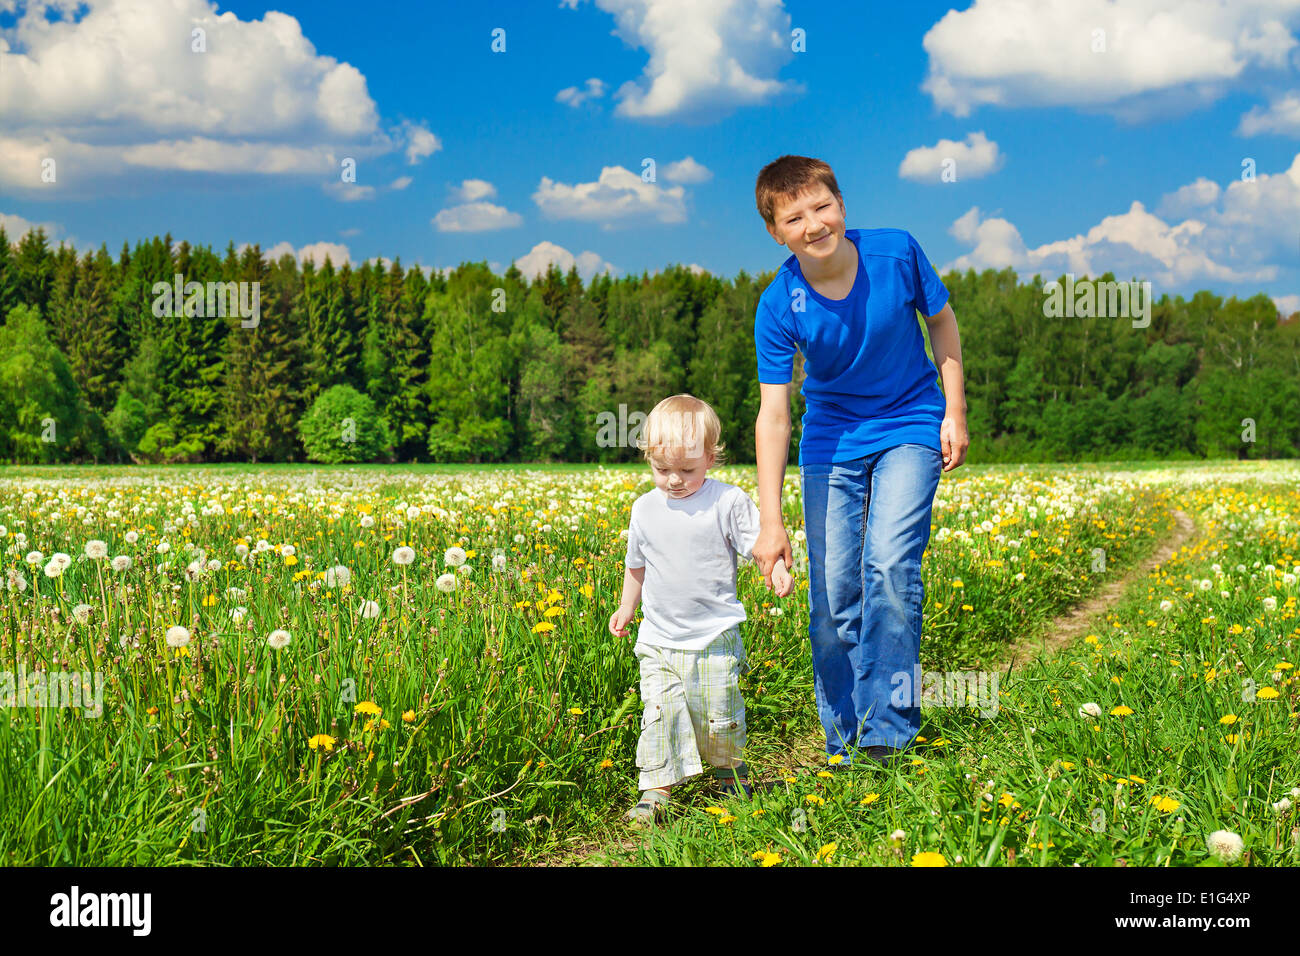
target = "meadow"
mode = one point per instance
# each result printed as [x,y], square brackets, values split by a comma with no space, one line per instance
[412,666]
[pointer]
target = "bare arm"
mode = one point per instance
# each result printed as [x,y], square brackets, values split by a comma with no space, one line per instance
[771,446]
[945,343]
[633,578]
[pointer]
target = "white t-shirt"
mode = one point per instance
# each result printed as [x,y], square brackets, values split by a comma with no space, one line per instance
[688,547]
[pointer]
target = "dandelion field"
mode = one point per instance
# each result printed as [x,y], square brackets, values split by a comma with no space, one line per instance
[361,666]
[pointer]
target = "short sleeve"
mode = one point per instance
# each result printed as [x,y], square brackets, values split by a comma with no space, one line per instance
[634,559]
[928,290]
[742,525]
[775,347]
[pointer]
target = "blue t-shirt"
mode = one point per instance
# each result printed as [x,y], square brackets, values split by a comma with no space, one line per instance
[869,383]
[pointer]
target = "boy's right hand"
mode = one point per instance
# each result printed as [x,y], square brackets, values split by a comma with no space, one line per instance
[619,621]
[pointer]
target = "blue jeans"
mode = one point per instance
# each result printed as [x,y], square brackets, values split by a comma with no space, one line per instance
[868,524]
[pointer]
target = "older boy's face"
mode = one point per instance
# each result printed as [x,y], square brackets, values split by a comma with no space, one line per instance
[680,478]
[811,224]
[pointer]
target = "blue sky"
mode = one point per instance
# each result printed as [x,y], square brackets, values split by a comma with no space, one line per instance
[1084,135]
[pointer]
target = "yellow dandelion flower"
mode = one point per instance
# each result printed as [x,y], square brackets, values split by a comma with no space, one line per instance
[320,740]
[771,859]
[576,711]
[967,607]
[553,611]
[929,859]
[758,813]
[1121,711]
[368,707]
[605,764]
[956,583]
[1231,739]
[382,725]
[1266,693]
[726,818]
[868,799]
[814,800]
[542,627]
[716,811]
[826,852]
[1228,719]
[1092,639]
[838,758]
[1165,804]
[408,716]
[824,773]
[1136,779]
[210,600]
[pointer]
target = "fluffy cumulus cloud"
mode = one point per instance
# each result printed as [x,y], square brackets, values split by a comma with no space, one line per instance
[16,227]
[539,259]
[1128,58]
[474,214]
[1287,304]
[1232,234]
[114,86]
[686,170]
[618,197]
[1282,116]
[316,251]
[706,58]
[971,158]
[575,97]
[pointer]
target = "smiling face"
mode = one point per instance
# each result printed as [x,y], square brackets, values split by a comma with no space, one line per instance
[682,477]
[811,224]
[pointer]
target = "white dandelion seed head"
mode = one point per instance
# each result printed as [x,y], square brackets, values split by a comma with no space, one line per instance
[82,613]
[454,557]
[1270,604]
[898,836]
[131,537]
[1206,584]
[1288,579]
[465,570]
[519,539]
[16,581]
[403,555]
[238,614]
[96,549]
[1282,806]
[499,562]
[337,576]
[446,583]
[288,550]
[214,564]
[64,561]
[369,609]
[163,547]
[122,562]
[1090,710]
[412,513]
[34,558]
[177,636]
[278,639]
[1166,605]
[52,569]
[1225,844]
[800,536]
[367,521]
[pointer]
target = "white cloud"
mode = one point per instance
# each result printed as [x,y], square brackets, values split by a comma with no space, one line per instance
[476,217]
[539,258]
[113,85]
[419,142]
[1204,192]
[595,88]
[619,195]
[1288,305]
[315,251]
[16,227]
[706,58]
[1241,225]
[1282,116]
[472,190]
[687,170]
[401,182]
[1023,53]
[976,156]
[349,192]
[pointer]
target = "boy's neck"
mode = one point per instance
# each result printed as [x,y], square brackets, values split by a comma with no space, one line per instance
[839,266]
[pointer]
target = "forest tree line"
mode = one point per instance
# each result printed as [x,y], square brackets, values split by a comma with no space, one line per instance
[474,367]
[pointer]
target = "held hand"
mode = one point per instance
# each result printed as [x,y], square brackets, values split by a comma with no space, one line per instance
[954,440]
[619,621]
[772,543]
[782,579]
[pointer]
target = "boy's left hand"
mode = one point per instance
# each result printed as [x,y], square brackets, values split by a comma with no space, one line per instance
[782,582]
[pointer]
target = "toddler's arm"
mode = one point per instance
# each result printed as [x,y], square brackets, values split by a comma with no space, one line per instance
[633,578]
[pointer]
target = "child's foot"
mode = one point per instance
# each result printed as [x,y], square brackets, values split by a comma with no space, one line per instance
[653,802]
[733,782]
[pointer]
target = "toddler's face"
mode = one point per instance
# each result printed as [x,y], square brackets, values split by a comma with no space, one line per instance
[682,477]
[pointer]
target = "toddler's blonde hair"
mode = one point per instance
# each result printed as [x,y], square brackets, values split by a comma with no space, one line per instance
[682,426]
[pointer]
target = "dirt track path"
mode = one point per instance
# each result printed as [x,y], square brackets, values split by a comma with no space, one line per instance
[1082,618]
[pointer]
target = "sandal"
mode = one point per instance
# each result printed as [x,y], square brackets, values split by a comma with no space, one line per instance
[729,783]
[653,803]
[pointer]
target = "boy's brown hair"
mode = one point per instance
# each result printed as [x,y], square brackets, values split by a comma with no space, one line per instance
[787,177]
